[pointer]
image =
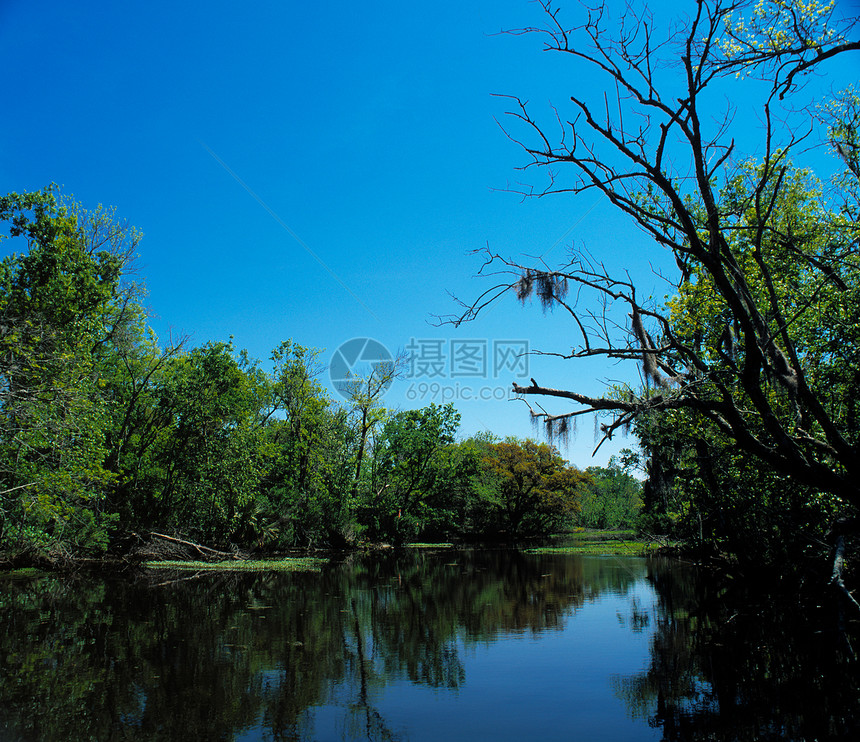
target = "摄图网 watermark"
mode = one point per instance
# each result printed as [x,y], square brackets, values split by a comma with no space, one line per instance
[437,369]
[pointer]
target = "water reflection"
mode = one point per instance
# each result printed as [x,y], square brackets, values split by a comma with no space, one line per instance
[729,662]
[421,646]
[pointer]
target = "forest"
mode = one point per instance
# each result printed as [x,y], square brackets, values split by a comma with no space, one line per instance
[110,434]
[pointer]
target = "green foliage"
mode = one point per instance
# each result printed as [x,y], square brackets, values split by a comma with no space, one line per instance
[291,564]
[613,498]
[722,496]
[307,443]
[527,488]
[412,474]
[723,502]
[59,303]
[206,461]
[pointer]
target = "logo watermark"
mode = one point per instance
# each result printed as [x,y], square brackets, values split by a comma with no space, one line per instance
[352,357]
[434,391]
[473,358]
[438,369]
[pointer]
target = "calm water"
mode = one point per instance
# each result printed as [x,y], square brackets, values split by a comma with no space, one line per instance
[429,646]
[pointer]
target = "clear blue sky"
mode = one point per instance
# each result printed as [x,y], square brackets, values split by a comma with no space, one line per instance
[366,129]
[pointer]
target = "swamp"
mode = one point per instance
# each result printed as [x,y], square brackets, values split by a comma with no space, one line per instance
[706,304]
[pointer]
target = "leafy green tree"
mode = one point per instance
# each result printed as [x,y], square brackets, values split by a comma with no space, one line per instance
[727,505]
[529,489]
[207,462]
[365,393]
[410,472]
[61,303]
[309,447]
[460,510]
[612,499]
[132,383]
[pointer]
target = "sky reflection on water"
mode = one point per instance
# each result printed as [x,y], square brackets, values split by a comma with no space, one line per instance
[422,646]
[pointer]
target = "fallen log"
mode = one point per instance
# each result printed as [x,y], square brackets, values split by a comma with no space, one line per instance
[204,551]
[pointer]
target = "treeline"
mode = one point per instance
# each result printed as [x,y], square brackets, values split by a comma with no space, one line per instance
[105,432]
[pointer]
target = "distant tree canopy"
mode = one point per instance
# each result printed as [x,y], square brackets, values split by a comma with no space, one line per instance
[749,404]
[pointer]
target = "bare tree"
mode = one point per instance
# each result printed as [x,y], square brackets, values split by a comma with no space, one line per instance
[756,341]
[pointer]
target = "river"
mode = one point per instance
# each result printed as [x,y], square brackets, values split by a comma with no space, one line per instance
[442,646]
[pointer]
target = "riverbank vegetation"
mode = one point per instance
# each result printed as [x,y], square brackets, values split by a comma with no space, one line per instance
[282,564]
[116,442]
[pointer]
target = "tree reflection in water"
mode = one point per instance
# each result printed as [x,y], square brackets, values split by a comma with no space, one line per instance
[730,663]
[312,656]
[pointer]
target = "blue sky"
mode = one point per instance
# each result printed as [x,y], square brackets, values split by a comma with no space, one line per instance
[366,140]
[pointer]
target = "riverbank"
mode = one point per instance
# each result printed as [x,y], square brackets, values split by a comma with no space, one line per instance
[173,553]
